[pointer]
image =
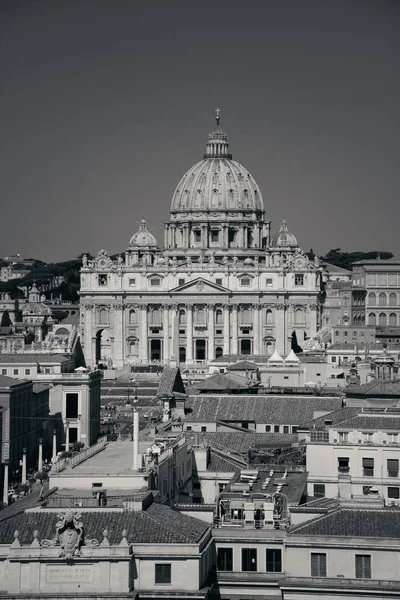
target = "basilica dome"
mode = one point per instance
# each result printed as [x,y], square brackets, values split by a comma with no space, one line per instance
[143,238]
[284,239]
[217,183]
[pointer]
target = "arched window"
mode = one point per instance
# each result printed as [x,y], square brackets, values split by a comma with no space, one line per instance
[246,316]
[382,319]
[299,316]
[372,299]
[182,354]
[372,319]
[269,316]
[132,317]
[219,317]
[382,299]
[392,299]
[392,320]
[133,347]
[182,319]
[103,315]
[218,352]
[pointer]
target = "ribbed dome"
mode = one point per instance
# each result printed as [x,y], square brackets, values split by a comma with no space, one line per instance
[142,238]
[284,239]
[217,183]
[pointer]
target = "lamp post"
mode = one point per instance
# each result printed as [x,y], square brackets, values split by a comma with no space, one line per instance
[40,460]
[54,445]
[67,437]
[23,479]
[5,482]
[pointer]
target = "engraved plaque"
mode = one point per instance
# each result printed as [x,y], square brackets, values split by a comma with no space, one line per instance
[69,573]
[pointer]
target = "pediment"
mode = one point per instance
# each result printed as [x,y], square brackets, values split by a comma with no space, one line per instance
[199,286]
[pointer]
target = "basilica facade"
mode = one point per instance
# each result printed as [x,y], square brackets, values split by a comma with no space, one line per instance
[221,284]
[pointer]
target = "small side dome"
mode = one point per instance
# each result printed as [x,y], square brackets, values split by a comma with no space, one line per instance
[248,261]
[143,238]
[284,239]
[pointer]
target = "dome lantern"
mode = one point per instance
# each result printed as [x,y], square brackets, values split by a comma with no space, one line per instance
[217,145]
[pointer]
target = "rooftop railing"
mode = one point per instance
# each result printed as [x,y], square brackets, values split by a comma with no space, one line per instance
[79,458]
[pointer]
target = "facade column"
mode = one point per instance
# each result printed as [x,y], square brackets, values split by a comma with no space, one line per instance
[205,236]
[234,333]
[280,329]
[87,335]
[5,483]
[54,456]
[256,329]
[166,351]
[211,331]
[174,344]
[119,335]
[143,343]
[226,330]
[23,479]
[313,320]
[67,436]
[40,459]
[189,333]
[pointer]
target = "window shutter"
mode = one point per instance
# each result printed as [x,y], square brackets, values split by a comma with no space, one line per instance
[393,464]
[368,463]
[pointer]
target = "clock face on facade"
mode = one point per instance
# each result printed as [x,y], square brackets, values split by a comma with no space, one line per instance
[102,263]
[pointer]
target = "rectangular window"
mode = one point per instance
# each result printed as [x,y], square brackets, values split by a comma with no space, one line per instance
[203,428]
[345,334]
[343,464]
[225,559]
[102,279]
[47,370]
[27,371]
[4,371]
[162,574]
[132,282]
[368,467]
[245,281]
[268,428]
[318,564]
[181,281]
[274,560]
[268,282]
[276,428]
[249,559]
[218,332]
[286,429]
[392,438]
[363,566]
[367,437]
[16,371]
[299,280]
[197,235]
[393,467]
[214,235]
[188,428]
[319,490]
[394,492]
[218,281]
[343,436]
[71,405]
[333,359]
[155,281]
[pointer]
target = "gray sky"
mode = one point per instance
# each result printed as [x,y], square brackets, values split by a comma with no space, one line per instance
[106,103]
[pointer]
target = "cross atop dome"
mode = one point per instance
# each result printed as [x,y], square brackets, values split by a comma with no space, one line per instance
[217,117]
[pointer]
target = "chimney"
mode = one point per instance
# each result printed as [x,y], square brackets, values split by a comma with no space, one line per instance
[135,464]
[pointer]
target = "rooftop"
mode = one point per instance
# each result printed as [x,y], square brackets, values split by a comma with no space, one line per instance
[376,387]
[31,358]
[285,410]
[351,522]
[241,442]
[170,382]
[158,524]
[9,382]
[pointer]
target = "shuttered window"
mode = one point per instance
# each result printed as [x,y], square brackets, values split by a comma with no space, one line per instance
[393,467]
[363,566]
[162,573]
[318,564]
[368,467]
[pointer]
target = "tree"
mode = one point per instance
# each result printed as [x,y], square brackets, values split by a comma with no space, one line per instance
[5,319]
[345,260]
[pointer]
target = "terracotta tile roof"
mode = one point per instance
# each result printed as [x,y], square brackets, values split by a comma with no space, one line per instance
[157,525]
[352,522]
[220,381]
[32,357]
[218,463]
[40,387]
[170,382]
[335,417]
[9,382]
[241,442]
[244,365]
[378,422]
[285,410]
[375,388]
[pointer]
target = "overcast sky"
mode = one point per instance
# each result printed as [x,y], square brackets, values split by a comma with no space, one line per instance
[104,104]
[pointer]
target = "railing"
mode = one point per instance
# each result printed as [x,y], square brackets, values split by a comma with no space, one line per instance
[72,462]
